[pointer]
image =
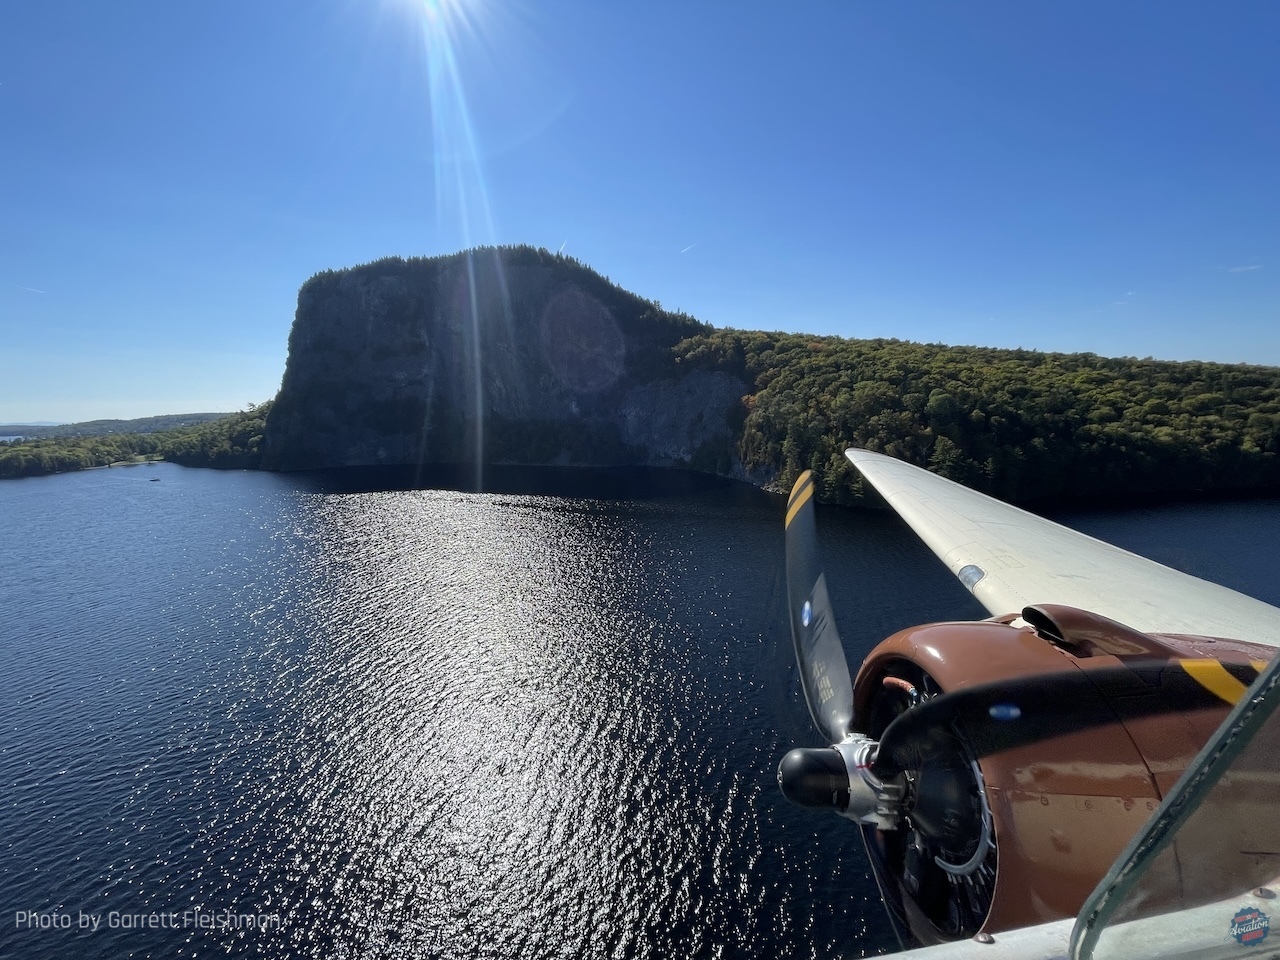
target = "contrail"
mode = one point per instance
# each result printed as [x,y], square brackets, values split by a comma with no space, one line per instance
[689,247]
[561,250]
[33,289]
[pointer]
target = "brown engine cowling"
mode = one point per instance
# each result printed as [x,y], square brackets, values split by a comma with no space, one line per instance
[1061,810]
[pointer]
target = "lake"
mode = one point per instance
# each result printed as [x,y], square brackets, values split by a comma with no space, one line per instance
[289,716]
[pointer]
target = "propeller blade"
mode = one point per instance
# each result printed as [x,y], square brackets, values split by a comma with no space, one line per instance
[1021,711]
[824,672]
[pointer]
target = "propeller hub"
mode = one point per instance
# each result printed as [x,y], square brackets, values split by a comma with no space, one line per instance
[815,777]
[839,778]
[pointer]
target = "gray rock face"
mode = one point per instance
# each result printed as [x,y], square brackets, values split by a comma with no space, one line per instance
[673,419]
[526,356]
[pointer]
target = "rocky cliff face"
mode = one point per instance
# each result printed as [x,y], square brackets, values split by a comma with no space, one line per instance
[517,353]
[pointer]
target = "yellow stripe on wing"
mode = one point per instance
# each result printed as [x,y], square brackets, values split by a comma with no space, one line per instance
[1213,676]
[800,495]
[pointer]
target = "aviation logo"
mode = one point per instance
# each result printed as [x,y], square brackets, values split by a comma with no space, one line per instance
[1249,926]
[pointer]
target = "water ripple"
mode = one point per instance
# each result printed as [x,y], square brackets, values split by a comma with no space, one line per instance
[421,724]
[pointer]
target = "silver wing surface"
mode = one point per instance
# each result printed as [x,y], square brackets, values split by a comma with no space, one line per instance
[1009,559]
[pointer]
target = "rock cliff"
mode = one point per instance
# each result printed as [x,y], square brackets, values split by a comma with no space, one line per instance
[520,354]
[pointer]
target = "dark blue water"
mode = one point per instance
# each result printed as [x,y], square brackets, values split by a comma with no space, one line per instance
[270,720]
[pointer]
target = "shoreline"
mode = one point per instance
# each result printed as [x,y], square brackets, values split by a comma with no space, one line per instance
[612,481]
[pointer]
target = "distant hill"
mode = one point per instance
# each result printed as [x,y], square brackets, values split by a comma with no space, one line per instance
[102,428]
[1020,425]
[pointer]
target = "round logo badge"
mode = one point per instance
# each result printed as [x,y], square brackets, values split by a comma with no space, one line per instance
[1250,925]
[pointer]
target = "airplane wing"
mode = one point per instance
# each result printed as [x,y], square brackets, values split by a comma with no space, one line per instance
[1009,559]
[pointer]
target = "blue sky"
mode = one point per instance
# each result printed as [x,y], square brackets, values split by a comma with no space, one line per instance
[1073,176]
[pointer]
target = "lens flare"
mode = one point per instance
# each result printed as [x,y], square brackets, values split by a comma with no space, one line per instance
[461,195]
[460,191]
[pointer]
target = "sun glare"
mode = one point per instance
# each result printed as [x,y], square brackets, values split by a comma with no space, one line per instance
[438,10]
[450,28]
[462,201]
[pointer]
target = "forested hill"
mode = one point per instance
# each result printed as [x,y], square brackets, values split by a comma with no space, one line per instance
[1018,424]
[102,428]
[233,440]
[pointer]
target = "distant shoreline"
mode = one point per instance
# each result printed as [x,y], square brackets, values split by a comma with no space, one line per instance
[604,483]
[129,463]
[234,440]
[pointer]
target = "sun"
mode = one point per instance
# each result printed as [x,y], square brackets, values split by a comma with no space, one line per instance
[454,18]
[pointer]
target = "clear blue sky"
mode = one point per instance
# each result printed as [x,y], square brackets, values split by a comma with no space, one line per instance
[1071,176]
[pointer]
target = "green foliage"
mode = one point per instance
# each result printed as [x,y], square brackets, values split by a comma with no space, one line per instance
[33,458]
[1018,424]
[235,440]
[102,428]
[232,442]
